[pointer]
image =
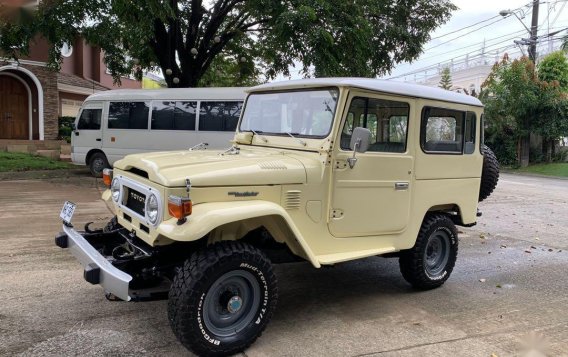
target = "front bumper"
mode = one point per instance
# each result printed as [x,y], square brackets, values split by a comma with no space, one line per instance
[98,270]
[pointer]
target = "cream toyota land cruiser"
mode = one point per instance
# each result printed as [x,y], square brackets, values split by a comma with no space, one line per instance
[323,171]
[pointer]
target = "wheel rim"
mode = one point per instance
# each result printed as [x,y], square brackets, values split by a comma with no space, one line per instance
[98,165]
[231,303]
[437,253]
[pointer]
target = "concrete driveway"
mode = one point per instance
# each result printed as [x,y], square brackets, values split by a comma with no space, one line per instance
[508,292]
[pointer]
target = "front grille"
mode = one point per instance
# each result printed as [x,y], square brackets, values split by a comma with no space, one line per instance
[136,201]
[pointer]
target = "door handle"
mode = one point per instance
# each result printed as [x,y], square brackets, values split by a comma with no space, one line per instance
[401,186]
[98,139]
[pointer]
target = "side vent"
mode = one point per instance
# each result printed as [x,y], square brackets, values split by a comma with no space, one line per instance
[292,199]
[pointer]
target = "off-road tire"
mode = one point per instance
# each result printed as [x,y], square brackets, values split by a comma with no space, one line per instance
[97,163]
[192,289]
[414,262]
[489,174]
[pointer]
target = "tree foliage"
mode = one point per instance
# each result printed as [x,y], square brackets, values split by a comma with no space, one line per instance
[188,38]
[554,67]
[518,102]
[446,79]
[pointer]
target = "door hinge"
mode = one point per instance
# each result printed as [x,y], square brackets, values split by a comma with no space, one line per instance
[336,213]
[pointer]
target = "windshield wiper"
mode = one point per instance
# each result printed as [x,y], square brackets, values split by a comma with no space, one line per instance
[299,140]
[260,136]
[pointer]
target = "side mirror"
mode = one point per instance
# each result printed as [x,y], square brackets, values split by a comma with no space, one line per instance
[360,140]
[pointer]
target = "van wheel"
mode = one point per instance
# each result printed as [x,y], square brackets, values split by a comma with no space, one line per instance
[431,261]
[489,173]
[222,299]
[97,164]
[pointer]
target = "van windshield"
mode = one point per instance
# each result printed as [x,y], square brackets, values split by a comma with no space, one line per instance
[306,113]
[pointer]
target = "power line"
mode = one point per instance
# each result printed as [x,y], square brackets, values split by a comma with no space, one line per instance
[465,34]
[464,28]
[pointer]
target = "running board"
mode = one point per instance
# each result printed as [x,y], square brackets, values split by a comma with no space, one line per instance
[328,259]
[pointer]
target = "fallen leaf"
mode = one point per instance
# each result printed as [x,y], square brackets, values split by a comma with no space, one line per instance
[533,247]
[503,246]
[498,286]
[527,251]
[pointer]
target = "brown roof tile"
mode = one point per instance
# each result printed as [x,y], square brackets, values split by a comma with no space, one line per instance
[73,80]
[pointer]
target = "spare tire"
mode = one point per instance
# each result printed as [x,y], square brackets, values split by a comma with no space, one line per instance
[489,174]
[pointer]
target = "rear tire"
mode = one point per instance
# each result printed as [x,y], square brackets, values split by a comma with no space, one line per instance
[222,299]
[431,261]
[97,163]
[489,174]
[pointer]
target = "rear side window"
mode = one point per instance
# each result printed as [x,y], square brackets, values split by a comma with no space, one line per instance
[442,130]
[169,115]
[90,119]
[128,115]
[469,136]
[219,116]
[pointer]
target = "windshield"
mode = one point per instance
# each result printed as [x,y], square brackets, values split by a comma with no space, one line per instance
[307,113]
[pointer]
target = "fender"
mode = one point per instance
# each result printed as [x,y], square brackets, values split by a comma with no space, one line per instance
[208,216]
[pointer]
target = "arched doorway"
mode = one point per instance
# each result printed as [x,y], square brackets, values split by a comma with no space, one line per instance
[15,106]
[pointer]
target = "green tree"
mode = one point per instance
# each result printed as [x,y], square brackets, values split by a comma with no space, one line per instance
[184,37]
[446,79]
[554,67]
[517,102]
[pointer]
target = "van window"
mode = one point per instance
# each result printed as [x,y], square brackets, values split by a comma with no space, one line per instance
[169,115]
[219,116]
[128,115]
[90,119]
[442,130]
[386,119]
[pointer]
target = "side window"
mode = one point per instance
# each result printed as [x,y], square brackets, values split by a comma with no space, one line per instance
[219,116]
[168,115]
[442,130]
[469,135]
[128,115]
[481,132]
[386,119]
[90,119]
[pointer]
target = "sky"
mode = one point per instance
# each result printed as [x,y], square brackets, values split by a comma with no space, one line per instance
[498,34]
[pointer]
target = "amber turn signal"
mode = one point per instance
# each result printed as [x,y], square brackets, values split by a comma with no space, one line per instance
[179,207]
[107,177]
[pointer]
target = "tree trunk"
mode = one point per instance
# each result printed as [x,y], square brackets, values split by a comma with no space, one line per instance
[524,149]
[545,150]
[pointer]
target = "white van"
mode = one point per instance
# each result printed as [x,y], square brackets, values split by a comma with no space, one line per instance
[116,123]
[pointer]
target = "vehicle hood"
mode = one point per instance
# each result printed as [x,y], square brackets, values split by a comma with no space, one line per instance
[215,168]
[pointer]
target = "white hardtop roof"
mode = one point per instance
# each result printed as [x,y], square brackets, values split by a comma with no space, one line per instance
[384,86]
[219,93]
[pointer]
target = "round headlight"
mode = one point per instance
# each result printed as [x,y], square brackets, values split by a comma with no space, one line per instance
[152,208]
[115,189]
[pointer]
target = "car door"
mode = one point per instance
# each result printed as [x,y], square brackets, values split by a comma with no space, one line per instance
[373,197]
[88,132]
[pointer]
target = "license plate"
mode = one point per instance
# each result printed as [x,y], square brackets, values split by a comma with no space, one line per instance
[67,211]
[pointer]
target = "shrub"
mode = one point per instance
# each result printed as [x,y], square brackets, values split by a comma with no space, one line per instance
[65,128]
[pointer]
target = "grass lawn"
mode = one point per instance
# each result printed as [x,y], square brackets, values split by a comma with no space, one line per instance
[556,169]
[15,161]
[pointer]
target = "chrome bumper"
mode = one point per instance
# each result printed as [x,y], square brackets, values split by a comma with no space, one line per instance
[112,279]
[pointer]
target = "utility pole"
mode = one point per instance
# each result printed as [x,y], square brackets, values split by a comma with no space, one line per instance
[526,138]
[534,31]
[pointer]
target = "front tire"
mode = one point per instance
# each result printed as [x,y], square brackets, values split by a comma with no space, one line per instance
[222,299]
[97,163]
[431,261]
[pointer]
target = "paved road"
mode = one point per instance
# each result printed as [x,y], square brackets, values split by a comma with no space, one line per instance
[364,308]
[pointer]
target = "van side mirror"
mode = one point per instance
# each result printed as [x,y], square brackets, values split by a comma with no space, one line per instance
[360,140]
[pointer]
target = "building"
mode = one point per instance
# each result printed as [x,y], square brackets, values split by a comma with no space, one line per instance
[33,96]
